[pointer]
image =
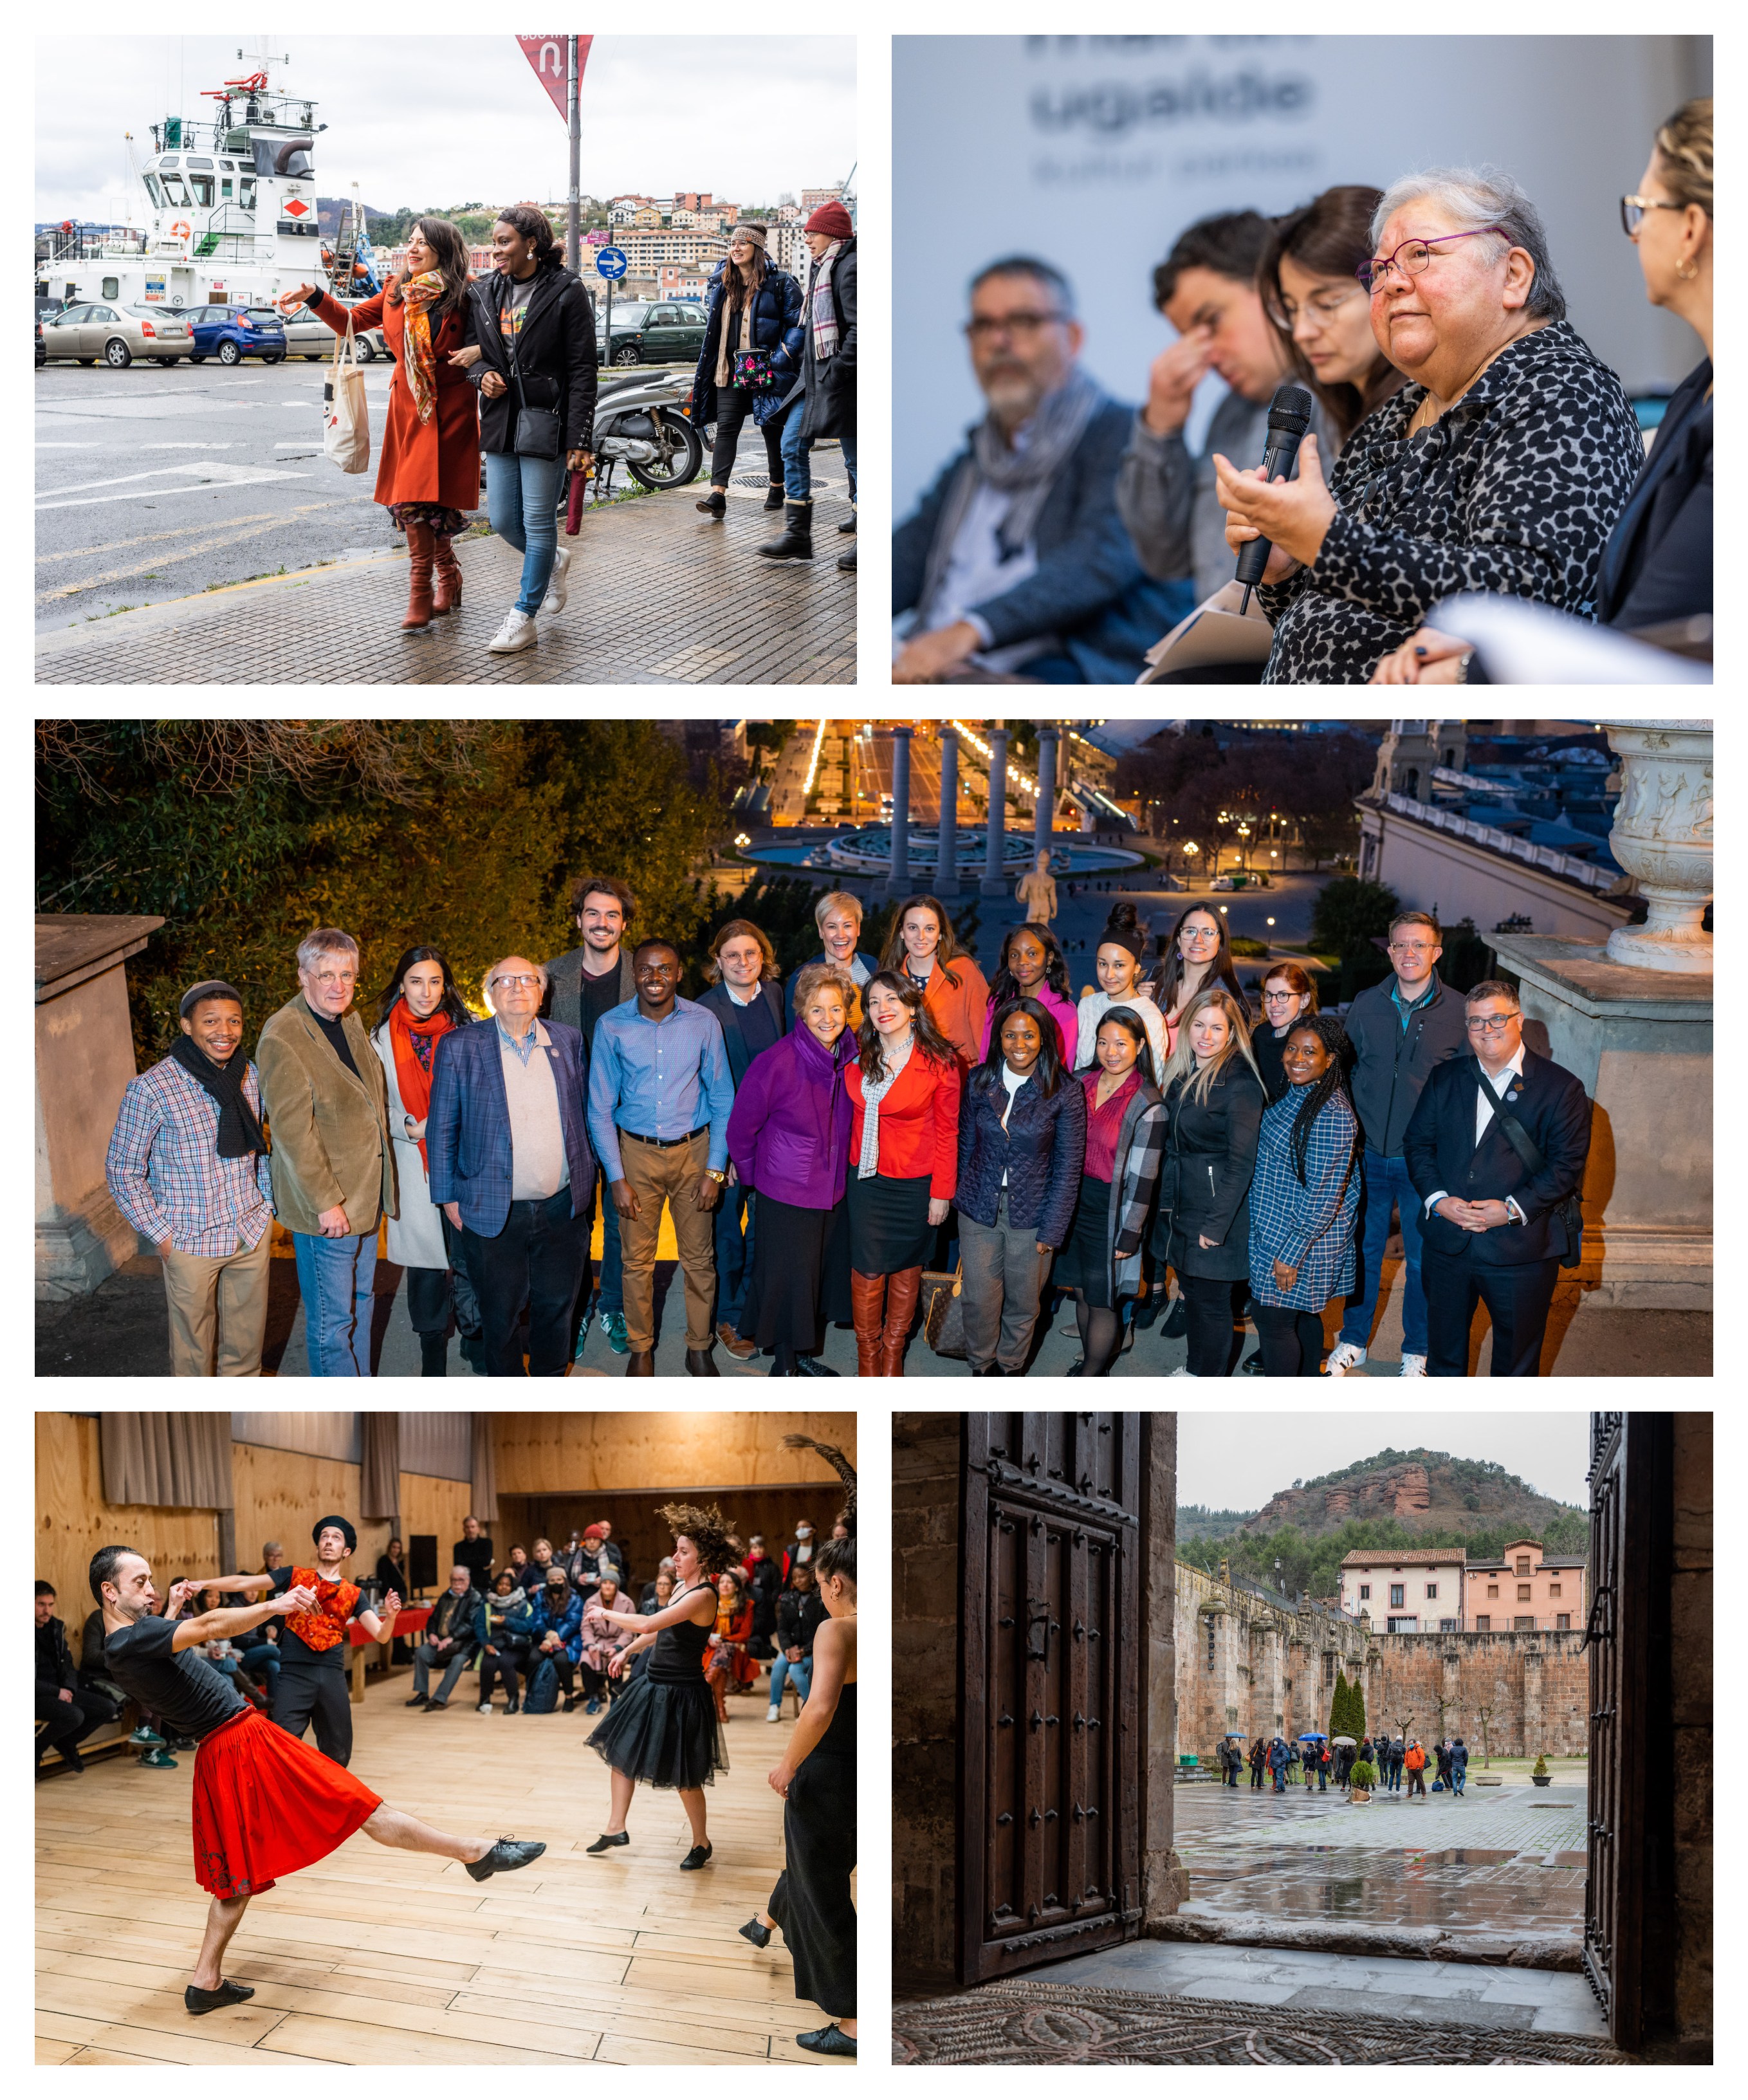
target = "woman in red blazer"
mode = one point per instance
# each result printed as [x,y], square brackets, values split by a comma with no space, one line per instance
[922,946]
[428,475]
[903,1163]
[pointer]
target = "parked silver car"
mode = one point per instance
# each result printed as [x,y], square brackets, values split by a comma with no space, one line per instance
[306,337]
[117,334]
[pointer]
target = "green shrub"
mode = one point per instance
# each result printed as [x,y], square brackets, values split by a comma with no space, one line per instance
[1364,1774]
[1241,944]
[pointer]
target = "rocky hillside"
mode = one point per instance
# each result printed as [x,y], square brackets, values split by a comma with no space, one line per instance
[1424,1491]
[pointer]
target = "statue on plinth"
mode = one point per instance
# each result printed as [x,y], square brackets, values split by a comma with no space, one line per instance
[1037,892]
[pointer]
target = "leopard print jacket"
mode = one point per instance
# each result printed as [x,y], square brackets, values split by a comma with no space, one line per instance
[1514,490]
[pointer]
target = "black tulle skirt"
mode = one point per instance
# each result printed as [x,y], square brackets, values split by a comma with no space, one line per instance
[665,1734]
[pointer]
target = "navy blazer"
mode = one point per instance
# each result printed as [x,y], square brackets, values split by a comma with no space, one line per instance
[467,1134]
[1042,1153]
[1088,588]
[716,999]
[1656,566]
[1440,1152]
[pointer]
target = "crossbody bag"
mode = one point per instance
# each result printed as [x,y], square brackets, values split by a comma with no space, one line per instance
[1569,1212]
[539,432]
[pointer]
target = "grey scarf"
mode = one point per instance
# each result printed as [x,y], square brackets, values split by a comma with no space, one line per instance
[874,1092]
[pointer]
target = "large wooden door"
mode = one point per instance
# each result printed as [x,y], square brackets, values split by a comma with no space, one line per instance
[1049,1820]
[1629,1836]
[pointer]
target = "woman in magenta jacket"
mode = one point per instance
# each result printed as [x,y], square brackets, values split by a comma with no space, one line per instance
[788,1136]
[1033,966]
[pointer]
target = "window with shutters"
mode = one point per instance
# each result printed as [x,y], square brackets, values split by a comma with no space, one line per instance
[1553,1588]
[1523,1563]
[1364,1591]
[1396,1593]
[1484,1624]
[1432,1589]
[1563,1622]
[1493,1588]
[1523,1593]
[1523,1625]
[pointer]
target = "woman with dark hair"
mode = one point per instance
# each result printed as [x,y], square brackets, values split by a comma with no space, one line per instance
[811,1904]
[1118,965]
[1032,966]
[1023,1134]
[1125,1136]
[665,1730]
[419,1008]
[727,1661]
[1214,1095]
[1288,996]
[601,1641]
[921,945]
[1306,1201]
[535,328]
[1197,956]
[428,477]
[752,356]
[1319,309]
[904,1145]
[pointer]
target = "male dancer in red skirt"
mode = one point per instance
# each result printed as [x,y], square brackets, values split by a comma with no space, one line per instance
[265,1804]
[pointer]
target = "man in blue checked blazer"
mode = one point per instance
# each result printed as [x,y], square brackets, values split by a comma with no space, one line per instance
[508,1140]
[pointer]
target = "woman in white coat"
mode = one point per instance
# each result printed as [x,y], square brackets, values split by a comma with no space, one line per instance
[418,1010]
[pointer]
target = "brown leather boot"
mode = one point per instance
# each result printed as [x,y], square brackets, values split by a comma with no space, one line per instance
[420,548]
[903,1291]
[867,1300]
[446,576]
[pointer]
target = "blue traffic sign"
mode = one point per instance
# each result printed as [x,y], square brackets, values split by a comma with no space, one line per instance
[610,263]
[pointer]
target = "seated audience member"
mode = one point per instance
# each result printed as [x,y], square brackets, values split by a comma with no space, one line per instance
[510,1628]
[801,1612]
[1502,466]
[453,1633]
[1491,1225]
[657,1596]
[592,1560]
[651,1589]
[838,915]
[601,1640]
[1016,565]
[764,1579]
[69,1707]
[1320,311]
[726,1663]
[558,1635]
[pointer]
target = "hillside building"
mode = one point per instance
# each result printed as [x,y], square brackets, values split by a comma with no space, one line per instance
[1526,1590]
[1404,1593]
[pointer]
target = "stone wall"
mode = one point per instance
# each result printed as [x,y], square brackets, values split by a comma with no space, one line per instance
[926,1456]
[1534,1687]
[1247,1664]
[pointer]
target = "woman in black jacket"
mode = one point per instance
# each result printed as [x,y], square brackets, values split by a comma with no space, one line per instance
[1215,1099]
[1023,1137]
[535,325]
[823,402]
[750,360]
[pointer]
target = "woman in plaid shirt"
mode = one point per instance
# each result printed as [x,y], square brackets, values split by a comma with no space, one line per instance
[187,1168]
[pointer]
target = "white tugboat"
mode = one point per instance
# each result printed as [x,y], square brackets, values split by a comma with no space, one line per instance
[230,215]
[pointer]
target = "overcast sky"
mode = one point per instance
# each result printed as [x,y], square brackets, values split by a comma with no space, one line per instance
[430,121]
[1237,1461]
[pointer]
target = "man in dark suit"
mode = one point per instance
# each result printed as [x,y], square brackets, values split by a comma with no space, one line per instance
[1488,1228]
[508,1139]
[1016,565]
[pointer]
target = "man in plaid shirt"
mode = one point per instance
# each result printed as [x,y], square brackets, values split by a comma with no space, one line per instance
[187,1167]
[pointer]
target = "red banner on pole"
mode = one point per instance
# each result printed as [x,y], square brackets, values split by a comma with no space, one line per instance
[546,55]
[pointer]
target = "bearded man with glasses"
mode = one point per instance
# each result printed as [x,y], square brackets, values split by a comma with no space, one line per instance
[1015,568]
[1496,1149]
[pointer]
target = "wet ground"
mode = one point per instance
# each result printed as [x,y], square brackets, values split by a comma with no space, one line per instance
[1480,1864]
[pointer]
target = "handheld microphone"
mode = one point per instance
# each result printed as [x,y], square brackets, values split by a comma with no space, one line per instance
[1289,419]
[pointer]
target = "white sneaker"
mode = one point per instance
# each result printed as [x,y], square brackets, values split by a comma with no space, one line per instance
[517,632]
[553,601]
[773,1713]
[1183,1372]
[1413,1366]
[1345,1357]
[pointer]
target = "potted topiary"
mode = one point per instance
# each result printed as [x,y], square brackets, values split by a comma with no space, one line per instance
[1361,1781]
[1539,1774]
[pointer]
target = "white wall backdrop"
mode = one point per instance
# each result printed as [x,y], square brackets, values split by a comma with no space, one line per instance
[1095,152]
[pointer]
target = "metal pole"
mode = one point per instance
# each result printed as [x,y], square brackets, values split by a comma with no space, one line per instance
[946,856]
[1046,810]
[898,872]
[573,230]
[994,883]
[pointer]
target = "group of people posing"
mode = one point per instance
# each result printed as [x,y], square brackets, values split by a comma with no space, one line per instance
[1464,438]
[507,365]
[1316,1761]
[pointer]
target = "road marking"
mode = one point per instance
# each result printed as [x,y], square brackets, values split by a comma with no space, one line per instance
[181,531]
[267,522]
[220,474]
[67,444]
[192,445]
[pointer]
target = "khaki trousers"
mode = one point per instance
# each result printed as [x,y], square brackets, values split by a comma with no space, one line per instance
[218,1310]
[670,1175]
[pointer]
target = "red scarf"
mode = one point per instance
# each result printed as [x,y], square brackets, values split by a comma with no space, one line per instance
[325,1626]
[415,1049]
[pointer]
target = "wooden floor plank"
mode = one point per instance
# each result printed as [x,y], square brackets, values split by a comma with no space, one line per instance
[343,2041]
[54,2052]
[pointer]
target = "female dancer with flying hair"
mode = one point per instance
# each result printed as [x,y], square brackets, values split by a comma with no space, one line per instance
[664,1729]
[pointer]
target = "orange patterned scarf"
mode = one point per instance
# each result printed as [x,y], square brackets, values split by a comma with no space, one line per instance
[325,1627]
[419,293]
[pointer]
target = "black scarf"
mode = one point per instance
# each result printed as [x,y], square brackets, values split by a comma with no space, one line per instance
[240,1133]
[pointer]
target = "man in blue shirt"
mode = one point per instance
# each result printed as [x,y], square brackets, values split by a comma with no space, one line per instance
[659,1093]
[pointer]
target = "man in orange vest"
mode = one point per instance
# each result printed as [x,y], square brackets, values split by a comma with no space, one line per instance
[1416,1764]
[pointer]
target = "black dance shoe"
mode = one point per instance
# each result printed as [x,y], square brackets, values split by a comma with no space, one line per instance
[507,1854]
[827,2041]
[606,1841]
[759,1934]
[227,1993]
[811,1367]
[699,1856]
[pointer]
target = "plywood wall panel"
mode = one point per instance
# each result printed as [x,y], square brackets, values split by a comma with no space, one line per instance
[73,1520]
[430,1505]
[547,1454]
[279,1494]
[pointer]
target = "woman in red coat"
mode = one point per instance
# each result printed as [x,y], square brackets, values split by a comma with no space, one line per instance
[904,1163]
[429,476]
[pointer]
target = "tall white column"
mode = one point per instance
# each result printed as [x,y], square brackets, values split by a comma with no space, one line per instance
[947,860]
[1041,838]
[898,877]
[995,878]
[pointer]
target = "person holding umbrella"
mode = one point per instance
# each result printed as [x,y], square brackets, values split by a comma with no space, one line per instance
[1259,1758]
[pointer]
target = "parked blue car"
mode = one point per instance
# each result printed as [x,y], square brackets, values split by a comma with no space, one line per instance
[232,333]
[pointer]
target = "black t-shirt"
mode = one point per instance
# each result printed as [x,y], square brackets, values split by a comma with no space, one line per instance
[600,995]
[474,1554]
[183,1688]
[335,1032]
[293,1648]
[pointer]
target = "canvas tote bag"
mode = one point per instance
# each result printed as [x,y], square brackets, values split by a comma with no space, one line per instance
[346,415]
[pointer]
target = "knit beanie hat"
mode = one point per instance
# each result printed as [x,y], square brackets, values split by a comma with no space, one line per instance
[831,218]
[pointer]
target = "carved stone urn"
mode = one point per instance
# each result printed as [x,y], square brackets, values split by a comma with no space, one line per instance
[1662,838]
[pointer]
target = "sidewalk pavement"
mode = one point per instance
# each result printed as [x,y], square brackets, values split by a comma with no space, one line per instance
[659,595]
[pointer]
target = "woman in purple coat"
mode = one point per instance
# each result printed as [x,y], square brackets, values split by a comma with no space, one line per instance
[788,1137]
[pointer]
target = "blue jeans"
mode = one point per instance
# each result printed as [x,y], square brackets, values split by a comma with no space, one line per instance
[1385,1179]
[802,1672]
[261,1660]
[734,1252]
[335,1278]
[797,484]
[522,495]
[611,1282]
